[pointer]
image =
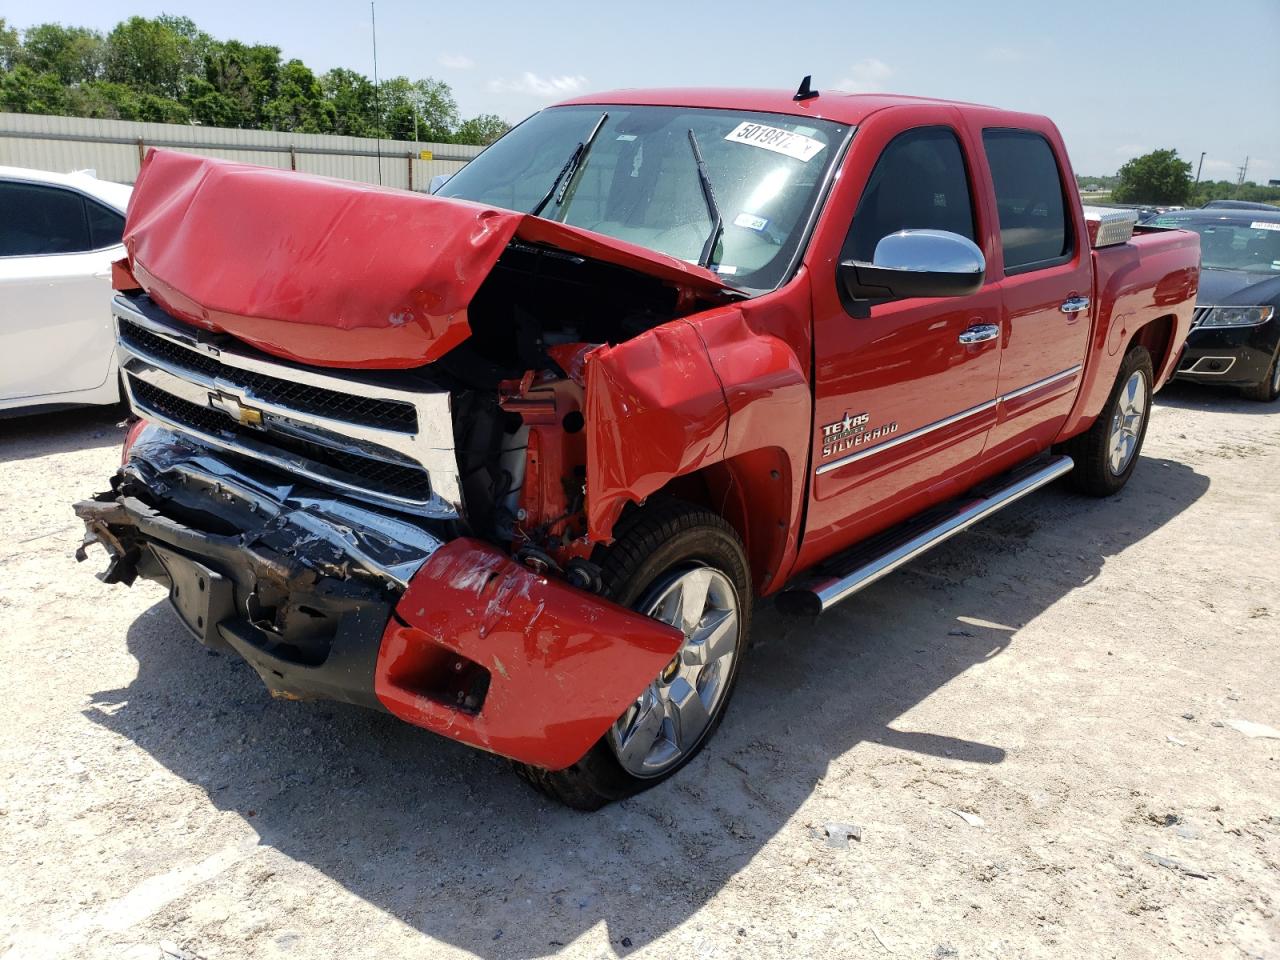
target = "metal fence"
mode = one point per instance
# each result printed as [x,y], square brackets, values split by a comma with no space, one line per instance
[115,148]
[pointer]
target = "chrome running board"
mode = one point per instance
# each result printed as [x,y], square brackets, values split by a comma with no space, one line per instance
[845,574]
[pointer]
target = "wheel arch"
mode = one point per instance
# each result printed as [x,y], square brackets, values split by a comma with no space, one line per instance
[753,493]
[1157,337]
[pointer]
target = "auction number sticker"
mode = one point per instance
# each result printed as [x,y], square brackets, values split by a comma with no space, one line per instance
[1264,225]
[794,145]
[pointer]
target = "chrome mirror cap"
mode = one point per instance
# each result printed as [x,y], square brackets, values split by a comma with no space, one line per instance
[916,263]
[929,251]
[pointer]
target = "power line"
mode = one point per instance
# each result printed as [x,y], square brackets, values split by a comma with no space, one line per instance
[377,95]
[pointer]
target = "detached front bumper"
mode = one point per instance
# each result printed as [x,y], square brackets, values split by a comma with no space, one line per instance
[330,600]
[1231,356]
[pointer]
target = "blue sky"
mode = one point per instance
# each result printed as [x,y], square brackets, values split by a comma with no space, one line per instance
[1119,78]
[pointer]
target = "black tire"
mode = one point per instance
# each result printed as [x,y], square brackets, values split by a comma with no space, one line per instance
[1266,390]
[650,544]
[1093,474]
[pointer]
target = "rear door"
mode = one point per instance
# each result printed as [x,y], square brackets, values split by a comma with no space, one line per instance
[1045,287]
[902,405]
[56,248]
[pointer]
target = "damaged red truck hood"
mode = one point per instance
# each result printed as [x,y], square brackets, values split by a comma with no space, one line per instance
[332,272]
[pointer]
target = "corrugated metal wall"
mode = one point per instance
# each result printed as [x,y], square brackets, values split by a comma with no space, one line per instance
[114,147]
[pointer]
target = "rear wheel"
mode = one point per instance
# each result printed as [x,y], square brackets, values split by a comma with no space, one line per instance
[1268,388]
[1107,452]
[684,566]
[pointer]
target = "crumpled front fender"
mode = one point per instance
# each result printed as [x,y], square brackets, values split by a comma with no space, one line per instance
[483,650]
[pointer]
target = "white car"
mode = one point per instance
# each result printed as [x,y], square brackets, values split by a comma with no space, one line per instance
[58,236]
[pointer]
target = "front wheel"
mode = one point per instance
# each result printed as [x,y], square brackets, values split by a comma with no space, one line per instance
[1107,452]
[684,566]
[1268,388]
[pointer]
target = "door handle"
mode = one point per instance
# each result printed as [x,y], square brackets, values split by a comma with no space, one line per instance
[1075,304]
[979,333]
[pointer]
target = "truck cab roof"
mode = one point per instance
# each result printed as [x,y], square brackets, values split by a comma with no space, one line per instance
[837,106]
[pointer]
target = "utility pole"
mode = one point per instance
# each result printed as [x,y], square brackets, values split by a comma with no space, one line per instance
[1200,167]
[1244,169]
[377,97]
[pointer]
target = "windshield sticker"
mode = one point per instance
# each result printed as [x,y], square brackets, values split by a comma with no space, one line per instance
[628,137]
[1264,225]
[794,145]
[726,269]
[750,222]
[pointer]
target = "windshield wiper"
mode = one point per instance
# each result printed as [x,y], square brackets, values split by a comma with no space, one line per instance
[570,168]
[713,208]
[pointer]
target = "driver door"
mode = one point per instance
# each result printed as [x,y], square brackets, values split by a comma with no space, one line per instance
[903,405]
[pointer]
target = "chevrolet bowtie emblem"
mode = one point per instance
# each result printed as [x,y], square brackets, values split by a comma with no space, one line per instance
[232,407]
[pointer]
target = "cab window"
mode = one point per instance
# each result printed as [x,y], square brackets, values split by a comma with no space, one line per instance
[37,220]
[1030,200]
[919,182]
[106,226]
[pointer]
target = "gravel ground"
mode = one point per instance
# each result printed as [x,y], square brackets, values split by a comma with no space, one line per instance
[1033,728]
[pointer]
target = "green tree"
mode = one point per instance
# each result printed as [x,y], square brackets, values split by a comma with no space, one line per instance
[115,101]
[245,79]
[167,69]
[426,105]
[156,56]
[299,104]
[482,130]
[1208,190]
[10,46]
[73,54]
[1156,177]
[22,90]
[352,96]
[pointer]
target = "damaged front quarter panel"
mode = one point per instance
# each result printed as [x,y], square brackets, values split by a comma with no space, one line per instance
[484,650]
[655,410]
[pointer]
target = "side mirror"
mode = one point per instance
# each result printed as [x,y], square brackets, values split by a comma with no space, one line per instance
[916,263]
[437,182]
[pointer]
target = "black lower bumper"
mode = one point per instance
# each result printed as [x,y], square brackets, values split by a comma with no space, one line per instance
[308,636]
[300,585]
[1231,356]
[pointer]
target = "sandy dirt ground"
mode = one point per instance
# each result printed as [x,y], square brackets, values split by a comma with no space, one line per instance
[1032,727]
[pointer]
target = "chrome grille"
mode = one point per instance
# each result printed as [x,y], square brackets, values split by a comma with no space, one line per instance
[376,475]
[385,444]
[391,414]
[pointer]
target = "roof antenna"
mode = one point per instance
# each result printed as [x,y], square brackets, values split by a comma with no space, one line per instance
[804,93]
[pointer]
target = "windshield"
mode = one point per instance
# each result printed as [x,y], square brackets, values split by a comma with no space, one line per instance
[1232,244]
[638,180]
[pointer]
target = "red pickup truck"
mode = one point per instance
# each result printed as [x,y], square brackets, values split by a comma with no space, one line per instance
[512,461]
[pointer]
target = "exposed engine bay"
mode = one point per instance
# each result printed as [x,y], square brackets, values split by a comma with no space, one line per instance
[518,385]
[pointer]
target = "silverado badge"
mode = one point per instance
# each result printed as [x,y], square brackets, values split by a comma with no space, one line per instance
[851,431]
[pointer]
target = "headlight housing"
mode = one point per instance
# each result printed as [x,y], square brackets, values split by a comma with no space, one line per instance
[1236,316]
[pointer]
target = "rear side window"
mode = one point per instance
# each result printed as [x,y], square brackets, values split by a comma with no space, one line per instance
[1029,199]
[919,182]
[36,219]
[106,226]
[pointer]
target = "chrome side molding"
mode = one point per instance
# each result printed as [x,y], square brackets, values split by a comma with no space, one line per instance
[948,421]
[864,565]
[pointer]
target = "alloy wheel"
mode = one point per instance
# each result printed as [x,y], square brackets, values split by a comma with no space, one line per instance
[1126,423]
[676,710]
